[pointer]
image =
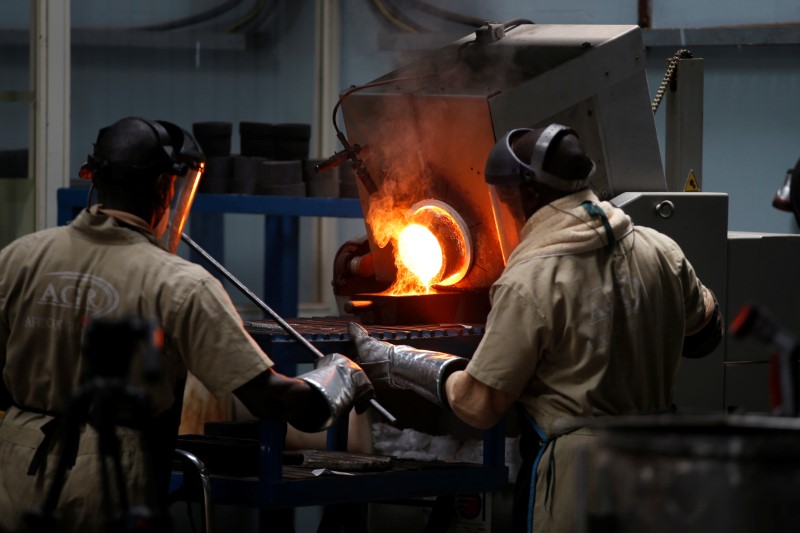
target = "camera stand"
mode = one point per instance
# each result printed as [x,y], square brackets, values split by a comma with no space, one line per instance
[104,402]
[98,404]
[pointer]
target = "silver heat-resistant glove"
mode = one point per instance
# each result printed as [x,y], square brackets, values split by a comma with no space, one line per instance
[404,367]
[343,385]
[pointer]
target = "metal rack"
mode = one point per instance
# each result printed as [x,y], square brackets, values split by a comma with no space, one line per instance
[280,486]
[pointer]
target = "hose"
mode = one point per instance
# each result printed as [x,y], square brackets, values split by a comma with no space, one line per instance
[205,16]
[513,23]
[396,17]
[447,15]
[249,17]
[355,88]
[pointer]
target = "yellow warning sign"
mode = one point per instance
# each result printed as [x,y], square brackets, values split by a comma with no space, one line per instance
[691,183]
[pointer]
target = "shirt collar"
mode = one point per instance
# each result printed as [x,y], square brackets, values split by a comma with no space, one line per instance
[129,219]
[112,226]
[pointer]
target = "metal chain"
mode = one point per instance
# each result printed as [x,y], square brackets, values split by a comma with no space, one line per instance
[668,75]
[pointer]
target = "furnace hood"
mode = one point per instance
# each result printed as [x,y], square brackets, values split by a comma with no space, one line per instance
[427,134]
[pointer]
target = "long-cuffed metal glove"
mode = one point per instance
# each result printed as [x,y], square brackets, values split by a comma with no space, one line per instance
[404,367]
[343,385]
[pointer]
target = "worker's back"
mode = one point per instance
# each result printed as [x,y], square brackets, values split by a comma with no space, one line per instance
[585,327]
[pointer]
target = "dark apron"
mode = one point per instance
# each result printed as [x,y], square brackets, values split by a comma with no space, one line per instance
[533,444]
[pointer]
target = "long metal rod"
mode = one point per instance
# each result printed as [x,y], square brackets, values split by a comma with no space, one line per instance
[267,309]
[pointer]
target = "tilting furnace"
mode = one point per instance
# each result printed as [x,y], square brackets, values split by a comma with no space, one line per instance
[422,134]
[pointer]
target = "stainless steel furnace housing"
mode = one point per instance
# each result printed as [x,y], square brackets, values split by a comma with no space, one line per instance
[427,134]
[427,128]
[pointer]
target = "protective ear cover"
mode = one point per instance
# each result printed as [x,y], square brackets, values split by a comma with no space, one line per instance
[504,166]
[514,169]
[183,148]
[168,144]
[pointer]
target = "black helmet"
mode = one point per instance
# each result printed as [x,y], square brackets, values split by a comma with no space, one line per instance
[519,157]
[137,148]
[129,158]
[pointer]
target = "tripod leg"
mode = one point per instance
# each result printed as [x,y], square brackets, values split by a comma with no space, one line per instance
[107,502]
[109,448]
[74,417]
[120,479]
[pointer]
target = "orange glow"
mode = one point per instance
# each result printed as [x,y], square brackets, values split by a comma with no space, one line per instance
[420,252]
[387,219]
[429,239]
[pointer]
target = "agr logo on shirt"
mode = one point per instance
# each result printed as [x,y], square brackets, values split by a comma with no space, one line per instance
[75,290]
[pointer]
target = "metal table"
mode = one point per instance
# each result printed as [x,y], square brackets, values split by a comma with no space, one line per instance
[279,486]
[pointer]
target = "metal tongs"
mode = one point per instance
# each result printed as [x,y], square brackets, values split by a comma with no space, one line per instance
[267,309]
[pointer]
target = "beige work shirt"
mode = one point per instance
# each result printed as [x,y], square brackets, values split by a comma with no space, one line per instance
[99,267]
[578,330]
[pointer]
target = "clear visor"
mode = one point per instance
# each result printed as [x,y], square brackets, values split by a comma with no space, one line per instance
[172,223]
[509,216]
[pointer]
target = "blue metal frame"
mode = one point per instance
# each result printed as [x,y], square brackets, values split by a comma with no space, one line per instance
[281,235]
[72,200]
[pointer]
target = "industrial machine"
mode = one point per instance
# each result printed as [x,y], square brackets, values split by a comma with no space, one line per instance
[418,138]
[427,128]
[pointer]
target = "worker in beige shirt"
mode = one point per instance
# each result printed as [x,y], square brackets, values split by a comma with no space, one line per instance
[115,263]
[589,319]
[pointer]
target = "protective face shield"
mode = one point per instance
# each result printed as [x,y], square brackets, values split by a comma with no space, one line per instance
[506,173]
[188,171]
[127,150]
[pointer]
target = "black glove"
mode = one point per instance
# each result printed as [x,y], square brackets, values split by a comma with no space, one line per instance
[343,385]
[404,367]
